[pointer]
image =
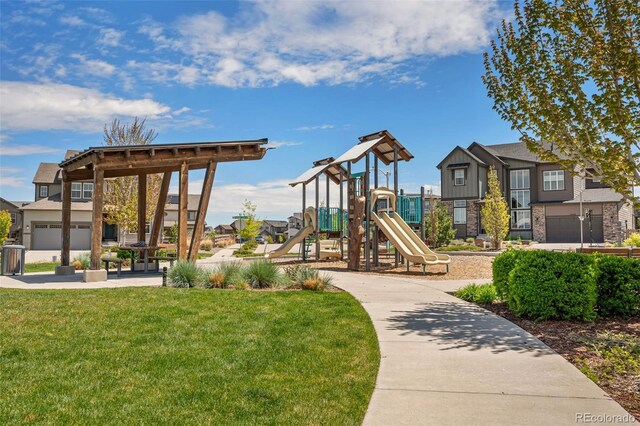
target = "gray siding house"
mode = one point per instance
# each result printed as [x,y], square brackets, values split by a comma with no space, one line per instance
[544,199]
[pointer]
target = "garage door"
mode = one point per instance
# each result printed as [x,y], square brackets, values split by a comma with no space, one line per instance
[48,236]
[566,229]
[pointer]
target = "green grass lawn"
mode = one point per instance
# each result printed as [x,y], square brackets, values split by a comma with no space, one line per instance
[176,356]
[40,266]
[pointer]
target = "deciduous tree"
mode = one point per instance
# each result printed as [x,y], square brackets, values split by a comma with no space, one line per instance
[439,225]
[495,211]
[5,225]
[566,75]
[251,222]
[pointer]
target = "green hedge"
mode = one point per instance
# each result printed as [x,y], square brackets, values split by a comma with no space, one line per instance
[544,285]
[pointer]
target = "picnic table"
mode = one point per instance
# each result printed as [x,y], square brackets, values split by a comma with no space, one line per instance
[143,251]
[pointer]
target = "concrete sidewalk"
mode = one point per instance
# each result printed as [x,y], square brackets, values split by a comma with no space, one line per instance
[448,362]
[49,281]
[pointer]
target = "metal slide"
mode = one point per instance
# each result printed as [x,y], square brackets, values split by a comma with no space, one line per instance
[308,218]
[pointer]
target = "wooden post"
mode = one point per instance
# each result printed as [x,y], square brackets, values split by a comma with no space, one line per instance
[96,233]
[183,196]
[158,218]
[66,219]
[142,207]
[341,215]
[350,206]
[327,218]
[356,232]
[395,191]
[367,213]
[376,232]
[317,224]
[198,229]
[304,207]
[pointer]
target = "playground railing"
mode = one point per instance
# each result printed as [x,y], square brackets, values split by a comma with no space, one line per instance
[332,222]
[409,208]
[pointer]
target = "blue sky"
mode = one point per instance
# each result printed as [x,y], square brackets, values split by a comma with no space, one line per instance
[310,76]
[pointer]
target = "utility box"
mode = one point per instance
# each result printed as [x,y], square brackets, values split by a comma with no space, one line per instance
[12,260]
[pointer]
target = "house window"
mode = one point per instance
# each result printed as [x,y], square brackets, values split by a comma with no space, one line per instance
[76,190]
[553,180]
[521,219]
[520,199]
[44,191]
[87,190]
[459,212]
[13,218]
[458,177]
[191,215]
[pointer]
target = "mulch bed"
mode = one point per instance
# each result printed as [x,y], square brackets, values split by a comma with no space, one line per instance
[580,344]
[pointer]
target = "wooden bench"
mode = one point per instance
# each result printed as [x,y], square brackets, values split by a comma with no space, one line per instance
[613,251]
[158,259]
[115,260]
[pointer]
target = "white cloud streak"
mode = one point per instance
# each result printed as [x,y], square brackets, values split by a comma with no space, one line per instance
[14,150]
[316,127]
[280,144]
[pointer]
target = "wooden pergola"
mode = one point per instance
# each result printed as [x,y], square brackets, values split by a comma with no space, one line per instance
[103,162]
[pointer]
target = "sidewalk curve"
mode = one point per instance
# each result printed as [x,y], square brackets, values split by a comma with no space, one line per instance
[448,362]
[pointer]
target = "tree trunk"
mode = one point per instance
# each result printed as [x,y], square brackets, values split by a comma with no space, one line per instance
[356,233]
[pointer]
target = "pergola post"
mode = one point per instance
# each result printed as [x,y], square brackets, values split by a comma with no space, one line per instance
[158,217]
[66,220]
[142,207]
[304,207]
[182,210]
[367,206]
[198,229]
[98,203]
[317,224]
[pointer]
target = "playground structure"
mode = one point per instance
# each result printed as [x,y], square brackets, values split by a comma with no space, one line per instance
[360,222]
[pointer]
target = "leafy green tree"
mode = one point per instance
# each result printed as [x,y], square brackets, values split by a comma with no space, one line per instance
[439,225]
[121,194]
[495,211]
[5,225]
[172,234]
[566,75]
[251,224]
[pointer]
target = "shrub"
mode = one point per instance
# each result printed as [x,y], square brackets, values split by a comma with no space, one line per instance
[262,274]
[227,274]
[633,240]
[483,294]
[618,283]
[470,240]
[545,285]
[247,249]
[206,245]
[306,278]
[503,264]
[82,261]
[186,274]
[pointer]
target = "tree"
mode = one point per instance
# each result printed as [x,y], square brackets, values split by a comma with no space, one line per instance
[5,225]
[251,222]
[439,225]
[566,75]
[121,194]
[495,211]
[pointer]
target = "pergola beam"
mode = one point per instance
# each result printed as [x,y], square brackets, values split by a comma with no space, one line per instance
[198,229]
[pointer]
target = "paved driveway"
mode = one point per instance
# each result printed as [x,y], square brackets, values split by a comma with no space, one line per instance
[447,362]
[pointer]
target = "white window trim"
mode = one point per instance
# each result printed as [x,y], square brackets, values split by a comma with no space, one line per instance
[456,177]
[46,191]
[79,191]
[461,206]
[86,185]
[520,192]
[514,225]
[513,182]
[553,178]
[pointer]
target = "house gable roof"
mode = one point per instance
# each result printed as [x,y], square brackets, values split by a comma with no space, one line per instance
[488,150]
[516,151]
[47,173]
[466,151]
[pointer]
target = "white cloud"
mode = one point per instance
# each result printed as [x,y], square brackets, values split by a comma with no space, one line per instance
[27,149]
[278,144]
[333,42]
[110,37]
[72,21]
[95,67]
[10,177]
[32,106]
[316,127]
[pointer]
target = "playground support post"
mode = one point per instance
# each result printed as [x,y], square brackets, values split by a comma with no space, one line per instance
[367,206]
[304,207]
[376,236]
[395,188]
[341,216]
[349,195]
[327,220]
[422,212]
[317,224]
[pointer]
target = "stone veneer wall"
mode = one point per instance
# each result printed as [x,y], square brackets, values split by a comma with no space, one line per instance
[610,221]
[539,223]
[472,218]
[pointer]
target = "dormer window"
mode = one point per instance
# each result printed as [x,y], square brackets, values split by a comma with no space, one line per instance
[44,191]
[458,177]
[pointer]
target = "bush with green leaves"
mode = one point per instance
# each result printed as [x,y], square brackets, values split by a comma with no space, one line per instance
[206,245]
[5,225]
[82,261]
[187,274]
[262,274]
[503,264]
[633,240]
[618,283]
[482,294]
[226,275]
[306,278]
[548,285]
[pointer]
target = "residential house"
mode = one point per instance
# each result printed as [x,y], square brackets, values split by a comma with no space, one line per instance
[294,224]
[544,199]
[15,231]
[42,219]
[274,229]
[224,230]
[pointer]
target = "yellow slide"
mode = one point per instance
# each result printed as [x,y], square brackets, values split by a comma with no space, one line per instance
[401,236]
[309,219]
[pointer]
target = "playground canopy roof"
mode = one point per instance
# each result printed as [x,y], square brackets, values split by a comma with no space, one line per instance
[381,144]
[326,166]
